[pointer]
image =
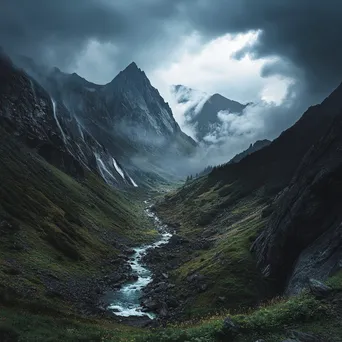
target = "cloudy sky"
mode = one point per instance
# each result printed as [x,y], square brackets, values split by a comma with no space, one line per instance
[283,55]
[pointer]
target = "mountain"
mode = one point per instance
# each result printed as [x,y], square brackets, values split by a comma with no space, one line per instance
[44,123]
[127,116]
[264,224]
[258,145]
[303,238]
[64,225]
[200,109]
[71,217]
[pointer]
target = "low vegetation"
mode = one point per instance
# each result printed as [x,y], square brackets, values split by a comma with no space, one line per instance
[55,229]
[271,322]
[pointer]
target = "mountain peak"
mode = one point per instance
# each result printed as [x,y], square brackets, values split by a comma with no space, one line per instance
[133,69]
[132,66]
[132,73]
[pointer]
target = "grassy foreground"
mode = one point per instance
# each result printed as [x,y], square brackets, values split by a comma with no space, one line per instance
[270,322]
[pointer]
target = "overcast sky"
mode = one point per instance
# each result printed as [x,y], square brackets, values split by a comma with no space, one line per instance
[246,50]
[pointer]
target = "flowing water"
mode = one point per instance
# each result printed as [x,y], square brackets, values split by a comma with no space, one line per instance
[126,301]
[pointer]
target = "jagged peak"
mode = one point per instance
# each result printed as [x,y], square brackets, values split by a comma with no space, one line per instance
[132,66]
[132,70]
[132,73]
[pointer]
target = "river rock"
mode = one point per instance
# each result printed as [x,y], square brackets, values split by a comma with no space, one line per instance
[164,312]
[177,240]
[150,304]
[172,302]
[195,277]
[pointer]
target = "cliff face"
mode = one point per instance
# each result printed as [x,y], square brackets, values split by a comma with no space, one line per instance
[123,130]
[303,238]
[44,123]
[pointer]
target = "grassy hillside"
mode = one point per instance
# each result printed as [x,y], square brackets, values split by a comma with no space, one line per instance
[229,224]
[56,230]
[57,233]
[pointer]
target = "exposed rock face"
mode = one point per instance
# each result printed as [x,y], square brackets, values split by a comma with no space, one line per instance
[319,289]
[44,123]
[304,235]
[124,129]
[129,117]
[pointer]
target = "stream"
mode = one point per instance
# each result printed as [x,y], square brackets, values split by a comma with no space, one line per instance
[126,301]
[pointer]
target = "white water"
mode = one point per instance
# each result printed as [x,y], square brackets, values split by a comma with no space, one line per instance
[126,301]
[118,169]
[58,124]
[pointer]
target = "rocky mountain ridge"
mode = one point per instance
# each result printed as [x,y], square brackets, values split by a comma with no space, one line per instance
[123,129]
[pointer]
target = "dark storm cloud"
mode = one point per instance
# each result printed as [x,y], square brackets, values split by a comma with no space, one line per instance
[57,31]
[305,33]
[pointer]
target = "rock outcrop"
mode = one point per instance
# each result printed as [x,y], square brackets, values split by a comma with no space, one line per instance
[304,235]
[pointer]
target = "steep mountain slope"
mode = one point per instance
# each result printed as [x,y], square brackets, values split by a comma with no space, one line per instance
[258,145]
[44,123]
[303,238]
[201,109]
[63,229]
[127,116]
[227,210]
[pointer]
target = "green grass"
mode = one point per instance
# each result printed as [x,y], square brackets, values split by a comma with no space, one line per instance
[232,278]
[28,327]
[54,223]
[336,280]
[269,322]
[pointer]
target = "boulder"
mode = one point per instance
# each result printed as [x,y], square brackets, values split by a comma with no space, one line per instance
[304,337]
[151,304]
[229,327]
[319,289]
[177,240]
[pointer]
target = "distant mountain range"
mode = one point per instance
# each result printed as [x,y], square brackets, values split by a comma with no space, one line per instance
[201,109]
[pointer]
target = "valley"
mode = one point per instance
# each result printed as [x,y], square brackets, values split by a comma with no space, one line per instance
[103,240]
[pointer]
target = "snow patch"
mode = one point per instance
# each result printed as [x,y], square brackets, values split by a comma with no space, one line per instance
[103,169]
[132,181]
[118,169]
[57,122]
